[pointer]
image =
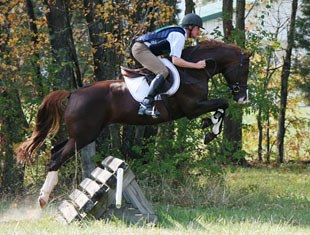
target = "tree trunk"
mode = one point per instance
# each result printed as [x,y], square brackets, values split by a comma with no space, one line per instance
[260,135]
[87,162]
[189,6]
[265,113]
[268,140]
[227,19]
[33,27]
[233,125]
[240,24]
[68,71]
[284,83]
[115,137]
[95,28]
[237,123]
[11,120]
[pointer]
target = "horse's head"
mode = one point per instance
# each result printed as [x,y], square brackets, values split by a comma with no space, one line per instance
[236,75]
[226,59]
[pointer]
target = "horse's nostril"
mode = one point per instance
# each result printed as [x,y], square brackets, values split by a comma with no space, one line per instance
[243,100]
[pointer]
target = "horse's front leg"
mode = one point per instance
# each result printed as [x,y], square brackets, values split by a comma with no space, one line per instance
[216,120]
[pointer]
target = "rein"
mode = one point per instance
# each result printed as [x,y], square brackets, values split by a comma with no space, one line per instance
[235,88]
[210,75]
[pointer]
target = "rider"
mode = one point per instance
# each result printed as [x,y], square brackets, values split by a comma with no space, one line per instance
[169,39]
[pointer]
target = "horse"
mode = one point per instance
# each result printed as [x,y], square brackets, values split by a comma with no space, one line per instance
[89,109]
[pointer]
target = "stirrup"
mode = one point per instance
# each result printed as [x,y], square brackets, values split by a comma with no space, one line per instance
[149,111]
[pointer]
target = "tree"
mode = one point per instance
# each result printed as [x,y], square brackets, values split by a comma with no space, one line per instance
[284,82]
[34,31]
[227,19]
[66,67]
[189,6]
[233,121]
[12,64]
[302,42]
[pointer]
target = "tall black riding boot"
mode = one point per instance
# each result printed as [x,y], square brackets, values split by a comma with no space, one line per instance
[146,106]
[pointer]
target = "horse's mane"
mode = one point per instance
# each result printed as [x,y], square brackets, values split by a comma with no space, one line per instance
[211,43]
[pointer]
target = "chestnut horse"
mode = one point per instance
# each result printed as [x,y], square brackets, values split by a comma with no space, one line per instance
[88,110]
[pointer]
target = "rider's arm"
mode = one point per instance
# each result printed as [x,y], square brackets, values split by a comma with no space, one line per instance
[177,42]
[186,64]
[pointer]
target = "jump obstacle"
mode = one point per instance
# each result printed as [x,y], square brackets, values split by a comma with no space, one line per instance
[100,196]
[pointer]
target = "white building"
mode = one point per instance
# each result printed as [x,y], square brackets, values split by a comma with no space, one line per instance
[276,15]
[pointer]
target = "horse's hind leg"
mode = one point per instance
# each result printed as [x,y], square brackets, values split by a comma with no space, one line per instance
[60,153]
[79,138]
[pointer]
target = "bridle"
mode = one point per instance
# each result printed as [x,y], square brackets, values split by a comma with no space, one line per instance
[236,87]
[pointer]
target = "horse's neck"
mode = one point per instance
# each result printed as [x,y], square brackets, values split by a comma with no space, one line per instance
[218,59]
[193,76]
[220,54]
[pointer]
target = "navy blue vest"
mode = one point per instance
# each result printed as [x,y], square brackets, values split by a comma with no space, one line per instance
[158,39]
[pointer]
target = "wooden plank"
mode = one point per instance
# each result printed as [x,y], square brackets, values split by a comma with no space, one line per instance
[68,211]
[131,215]
[81,200]
[137,198]
[104,176]
[128,178]
[112,164]
[97,197]
[90,186]
[108,199]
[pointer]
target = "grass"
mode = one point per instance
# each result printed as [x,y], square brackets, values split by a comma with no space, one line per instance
[259,201]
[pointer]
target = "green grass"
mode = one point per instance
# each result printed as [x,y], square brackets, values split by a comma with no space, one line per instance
[258,201]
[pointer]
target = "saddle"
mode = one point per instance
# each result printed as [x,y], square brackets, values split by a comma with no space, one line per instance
[138,80]
[133,73]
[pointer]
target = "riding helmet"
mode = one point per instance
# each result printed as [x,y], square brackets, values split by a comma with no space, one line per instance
[192,19]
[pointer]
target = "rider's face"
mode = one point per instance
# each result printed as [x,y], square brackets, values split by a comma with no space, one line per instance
[195,32]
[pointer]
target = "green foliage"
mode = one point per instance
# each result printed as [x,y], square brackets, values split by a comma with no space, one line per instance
[176,152]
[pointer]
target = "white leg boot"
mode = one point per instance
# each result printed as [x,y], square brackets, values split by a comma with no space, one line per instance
[48,186]
[217,120]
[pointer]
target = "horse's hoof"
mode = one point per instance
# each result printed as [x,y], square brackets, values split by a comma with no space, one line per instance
[209,137]
[42,202]
[206,122]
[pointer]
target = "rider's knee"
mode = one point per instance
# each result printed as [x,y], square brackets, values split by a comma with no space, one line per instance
[165,73]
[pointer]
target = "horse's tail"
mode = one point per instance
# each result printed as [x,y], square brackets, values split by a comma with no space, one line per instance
[48,120]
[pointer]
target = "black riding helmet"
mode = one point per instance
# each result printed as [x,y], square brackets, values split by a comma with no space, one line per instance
[192,19]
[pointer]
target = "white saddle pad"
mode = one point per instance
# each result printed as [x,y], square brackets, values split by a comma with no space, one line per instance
[139,88]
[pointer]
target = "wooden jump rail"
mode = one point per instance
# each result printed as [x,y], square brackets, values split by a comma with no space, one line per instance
[96,196]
